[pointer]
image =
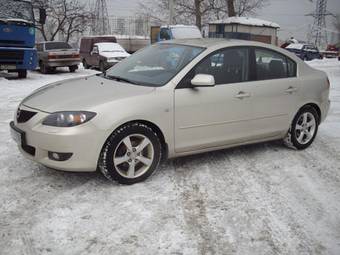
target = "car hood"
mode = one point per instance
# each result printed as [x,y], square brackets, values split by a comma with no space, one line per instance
[115,54]
[81,94]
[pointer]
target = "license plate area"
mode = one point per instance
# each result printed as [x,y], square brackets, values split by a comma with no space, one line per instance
[17,135]
[8,67]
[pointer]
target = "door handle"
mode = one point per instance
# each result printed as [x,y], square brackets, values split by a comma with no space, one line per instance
[242,95]
[291,90]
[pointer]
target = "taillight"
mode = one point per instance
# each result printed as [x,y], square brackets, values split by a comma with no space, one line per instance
[75,55]
[52,56]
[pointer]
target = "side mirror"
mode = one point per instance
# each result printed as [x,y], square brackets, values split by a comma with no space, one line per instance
[203,80]
[42,16]
[94,51]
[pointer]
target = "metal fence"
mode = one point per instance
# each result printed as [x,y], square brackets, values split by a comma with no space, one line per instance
[131,26]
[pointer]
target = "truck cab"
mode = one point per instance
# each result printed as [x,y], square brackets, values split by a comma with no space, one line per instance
[171,32]
[17,36]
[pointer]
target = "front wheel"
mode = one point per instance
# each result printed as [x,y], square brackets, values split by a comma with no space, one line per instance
[85,64]
[131,154]
[303,129]
[102,66]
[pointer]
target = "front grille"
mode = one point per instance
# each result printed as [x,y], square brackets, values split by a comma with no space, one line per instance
[11,56]
[23,116]
[11,42]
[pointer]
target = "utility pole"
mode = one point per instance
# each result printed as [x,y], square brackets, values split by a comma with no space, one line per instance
[101,24]
[171,11]
[318,33]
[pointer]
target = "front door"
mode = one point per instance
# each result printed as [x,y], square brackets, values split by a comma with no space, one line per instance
[207,117]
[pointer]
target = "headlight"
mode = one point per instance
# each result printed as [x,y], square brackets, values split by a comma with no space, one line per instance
[68,119]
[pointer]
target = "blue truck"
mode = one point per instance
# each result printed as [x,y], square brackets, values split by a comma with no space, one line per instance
[17,36]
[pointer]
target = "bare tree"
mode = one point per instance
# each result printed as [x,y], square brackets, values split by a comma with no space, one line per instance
[65,17]
[199,11]
[231,8]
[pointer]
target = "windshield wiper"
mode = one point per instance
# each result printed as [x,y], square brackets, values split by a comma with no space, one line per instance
[118,78]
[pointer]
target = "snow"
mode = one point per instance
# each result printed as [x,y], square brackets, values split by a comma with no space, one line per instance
[187,32]
[256,199]
[109,47]
[246,21]
[297,46]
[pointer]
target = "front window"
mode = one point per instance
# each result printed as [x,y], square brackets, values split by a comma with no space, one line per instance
[16,10]
[155,65]
[57,46]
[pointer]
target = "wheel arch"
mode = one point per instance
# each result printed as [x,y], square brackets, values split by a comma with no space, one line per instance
[151,125]
[315,106]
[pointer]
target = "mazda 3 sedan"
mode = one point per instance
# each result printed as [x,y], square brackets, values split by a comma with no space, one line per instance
[172,99]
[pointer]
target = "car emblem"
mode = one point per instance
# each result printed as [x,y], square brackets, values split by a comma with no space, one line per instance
[7,30]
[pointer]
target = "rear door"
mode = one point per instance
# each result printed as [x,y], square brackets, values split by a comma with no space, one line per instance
[273,92]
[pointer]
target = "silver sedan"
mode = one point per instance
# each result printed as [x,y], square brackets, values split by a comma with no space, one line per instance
[172,99]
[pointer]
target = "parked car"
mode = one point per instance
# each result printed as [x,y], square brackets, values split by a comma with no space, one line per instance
[304,51]
[172,99]
[86,47]
[57,54]
[105,55]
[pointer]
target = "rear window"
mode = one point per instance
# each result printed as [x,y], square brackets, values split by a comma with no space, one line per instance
[57,46]
[273,65]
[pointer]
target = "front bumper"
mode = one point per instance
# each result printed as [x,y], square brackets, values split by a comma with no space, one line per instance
[14,58]
[36,141]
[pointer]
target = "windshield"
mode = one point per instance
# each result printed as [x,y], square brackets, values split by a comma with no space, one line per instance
[155,65]
[16,10]
[57,46]
[109,47]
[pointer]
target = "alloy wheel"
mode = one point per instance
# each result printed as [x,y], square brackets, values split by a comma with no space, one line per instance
[305,128]
[133,156]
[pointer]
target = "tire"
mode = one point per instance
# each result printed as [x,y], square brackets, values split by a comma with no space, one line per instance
[102,66]
[22,74]
[123,161]
[73,68]
[303,129]
[43,68]
[85,64]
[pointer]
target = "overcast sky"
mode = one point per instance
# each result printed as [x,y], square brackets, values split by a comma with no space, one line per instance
[289,14]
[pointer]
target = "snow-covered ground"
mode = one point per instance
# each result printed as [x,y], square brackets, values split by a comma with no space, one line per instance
[258,199]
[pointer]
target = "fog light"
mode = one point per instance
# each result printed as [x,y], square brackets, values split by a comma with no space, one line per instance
[58,156]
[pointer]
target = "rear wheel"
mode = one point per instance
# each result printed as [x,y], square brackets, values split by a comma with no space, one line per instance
[73,68]
[131,154]
[43,68]
[303,129]
[22,74]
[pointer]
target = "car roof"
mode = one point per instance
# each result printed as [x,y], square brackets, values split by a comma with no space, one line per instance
[211,42]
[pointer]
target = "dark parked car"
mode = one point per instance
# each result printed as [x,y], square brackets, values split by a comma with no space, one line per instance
[304,51]
[57,54]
